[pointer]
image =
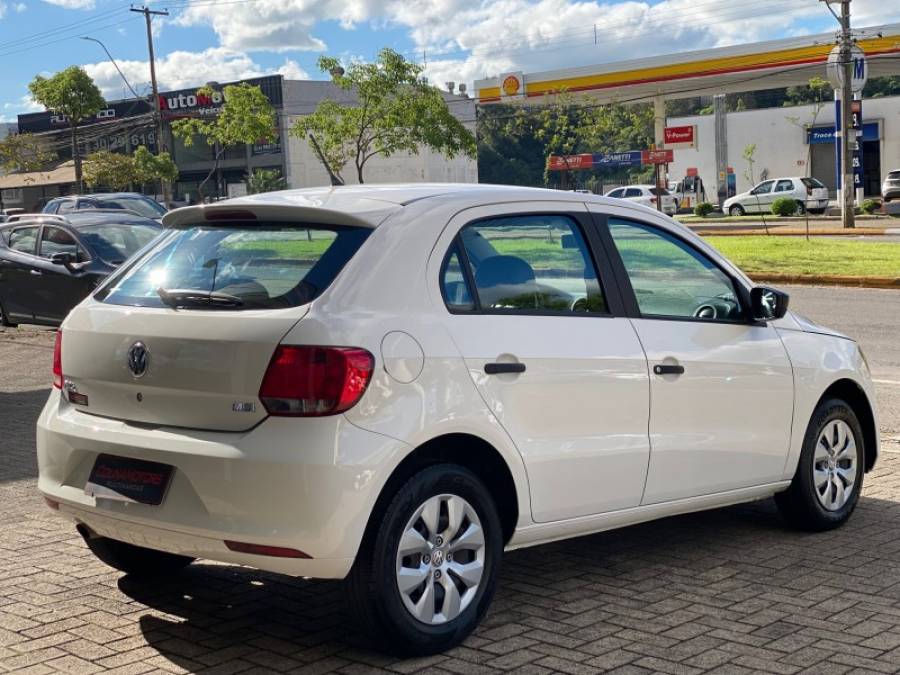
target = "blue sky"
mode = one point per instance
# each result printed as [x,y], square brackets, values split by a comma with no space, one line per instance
[462,40]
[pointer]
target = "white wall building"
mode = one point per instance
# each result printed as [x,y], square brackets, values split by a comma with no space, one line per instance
[783,147]
[305,170]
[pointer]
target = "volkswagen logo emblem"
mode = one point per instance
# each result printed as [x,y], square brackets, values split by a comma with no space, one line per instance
[138,359]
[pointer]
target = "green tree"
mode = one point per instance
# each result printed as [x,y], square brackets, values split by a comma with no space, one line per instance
[149,168]
[109,169]
[246,117]
[396,111]
[24,152]
[265,180]
[749,155]
[71,92]
[120,171]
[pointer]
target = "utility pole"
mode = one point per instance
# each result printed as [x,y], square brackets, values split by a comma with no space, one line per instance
[848,133]
[148,14]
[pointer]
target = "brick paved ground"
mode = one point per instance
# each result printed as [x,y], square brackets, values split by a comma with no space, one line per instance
[726,591]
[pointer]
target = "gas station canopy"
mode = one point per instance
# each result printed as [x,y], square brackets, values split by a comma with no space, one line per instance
[749,67]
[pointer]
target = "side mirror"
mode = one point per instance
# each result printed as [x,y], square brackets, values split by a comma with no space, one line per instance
[62,259]
[767,303]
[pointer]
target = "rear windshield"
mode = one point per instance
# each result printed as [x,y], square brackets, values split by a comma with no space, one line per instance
[656,192]
[894,175]
[263,266]
[115,242]
[143,207]
[812,182]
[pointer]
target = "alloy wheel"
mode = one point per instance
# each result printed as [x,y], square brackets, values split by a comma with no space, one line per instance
[440,559]
[834,465]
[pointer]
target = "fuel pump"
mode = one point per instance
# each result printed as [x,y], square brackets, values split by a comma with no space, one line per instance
[690,191]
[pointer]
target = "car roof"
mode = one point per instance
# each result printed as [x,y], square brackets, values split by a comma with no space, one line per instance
[365,205]
[98,217]
[102,195]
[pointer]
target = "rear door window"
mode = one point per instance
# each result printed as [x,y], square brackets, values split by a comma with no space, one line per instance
[532,264]
[633,192]
[784,186]
[24,239]
[253,266]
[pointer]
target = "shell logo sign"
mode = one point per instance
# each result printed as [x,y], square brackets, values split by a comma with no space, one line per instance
[512,85]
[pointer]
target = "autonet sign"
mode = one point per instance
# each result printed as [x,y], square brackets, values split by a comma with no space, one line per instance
[192,103]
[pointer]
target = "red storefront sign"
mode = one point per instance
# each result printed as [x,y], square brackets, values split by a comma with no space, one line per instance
[657,156]
[681,137]
[566,162]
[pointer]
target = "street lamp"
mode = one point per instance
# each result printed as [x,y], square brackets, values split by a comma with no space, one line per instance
[113,61]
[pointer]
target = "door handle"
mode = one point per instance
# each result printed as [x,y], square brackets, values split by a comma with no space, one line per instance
[36,273]
[662,369]
[501,368]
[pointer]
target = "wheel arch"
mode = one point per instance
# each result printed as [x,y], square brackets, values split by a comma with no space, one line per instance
[854,395]
[466,450]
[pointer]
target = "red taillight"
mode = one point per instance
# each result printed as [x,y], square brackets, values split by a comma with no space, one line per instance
[259,549]
[57,361]
[808,190]
[315,381]
[652,200]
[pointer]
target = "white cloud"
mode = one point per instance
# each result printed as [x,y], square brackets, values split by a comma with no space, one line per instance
[72,4]
[182,70]
[20,7]
[465,40]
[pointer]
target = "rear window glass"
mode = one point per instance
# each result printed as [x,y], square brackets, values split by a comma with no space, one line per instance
[115,242]
[894,175]
[812,182]
[659,191]
[261,266]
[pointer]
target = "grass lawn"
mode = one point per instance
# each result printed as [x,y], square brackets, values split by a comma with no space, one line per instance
[795,255]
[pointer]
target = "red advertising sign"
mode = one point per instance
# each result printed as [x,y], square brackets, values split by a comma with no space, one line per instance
[681,137]
[566,162]
[692,171]
[657,156]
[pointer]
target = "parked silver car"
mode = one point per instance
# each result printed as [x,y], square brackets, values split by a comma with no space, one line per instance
[890,188]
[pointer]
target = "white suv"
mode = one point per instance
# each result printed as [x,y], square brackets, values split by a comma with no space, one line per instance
[809,193]
[394,384]
[648,196]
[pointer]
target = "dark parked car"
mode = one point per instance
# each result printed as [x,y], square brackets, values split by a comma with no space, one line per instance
[129,201]
[49,264]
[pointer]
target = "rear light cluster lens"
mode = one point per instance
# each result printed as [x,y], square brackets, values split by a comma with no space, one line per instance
[315,381]
[57,361]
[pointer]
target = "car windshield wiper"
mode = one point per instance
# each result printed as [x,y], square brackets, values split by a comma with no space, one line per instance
[186,297]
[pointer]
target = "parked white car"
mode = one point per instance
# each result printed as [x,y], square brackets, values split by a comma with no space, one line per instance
[393,384]
[809,193]
[647,195]
[890,187]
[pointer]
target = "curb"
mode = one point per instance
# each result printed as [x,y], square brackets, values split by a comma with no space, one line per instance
[855,232]
[827,280]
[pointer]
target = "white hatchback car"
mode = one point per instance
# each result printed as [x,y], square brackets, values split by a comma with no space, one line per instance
[809,193]
[394,384]
[648,196]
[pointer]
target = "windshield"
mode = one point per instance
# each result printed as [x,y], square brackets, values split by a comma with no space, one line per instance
[258,266]
[116,242]
[140,205]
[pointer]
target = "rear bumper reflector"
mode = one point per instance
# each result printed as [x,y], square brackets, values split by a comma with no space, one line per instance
[259,549]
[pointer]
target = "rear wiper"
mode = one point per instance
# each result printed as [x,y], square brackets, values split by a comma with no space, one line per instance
[186,297]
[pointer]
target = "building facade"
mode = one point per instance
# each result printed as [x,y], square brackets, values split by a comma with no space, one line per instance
[795,141]
[125,125]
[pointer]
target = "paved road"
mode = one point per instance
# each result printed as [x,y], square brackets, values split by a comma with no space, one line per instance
[730,591]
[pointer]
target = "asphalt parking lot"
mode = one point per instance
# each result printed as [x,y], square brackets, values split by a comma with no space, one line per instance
[731,590]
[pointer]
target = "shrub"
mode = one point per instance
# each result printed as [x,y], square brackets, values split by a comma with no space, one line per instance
[703,209]
[784,206]
[870,206]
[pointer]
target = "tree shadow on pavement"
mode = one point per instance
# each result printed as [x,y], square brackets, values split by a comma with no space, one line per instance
[20,411]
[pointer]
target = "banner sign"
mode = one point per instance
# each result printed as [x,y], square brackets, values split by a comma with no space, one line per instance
[657,156]
[825,134]
[681,137]
[512,85]
[618,160]
[860,136]
[566,162]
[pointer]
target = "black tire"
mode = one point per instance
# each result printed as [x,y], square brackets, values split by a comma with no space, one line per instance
[736,210]
[373,595]
[801,208]
[800,503]
[134,560]
[4,318]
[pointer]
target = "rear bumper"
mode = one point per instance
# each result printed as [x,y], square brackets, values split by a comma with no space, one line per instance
[305,484]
